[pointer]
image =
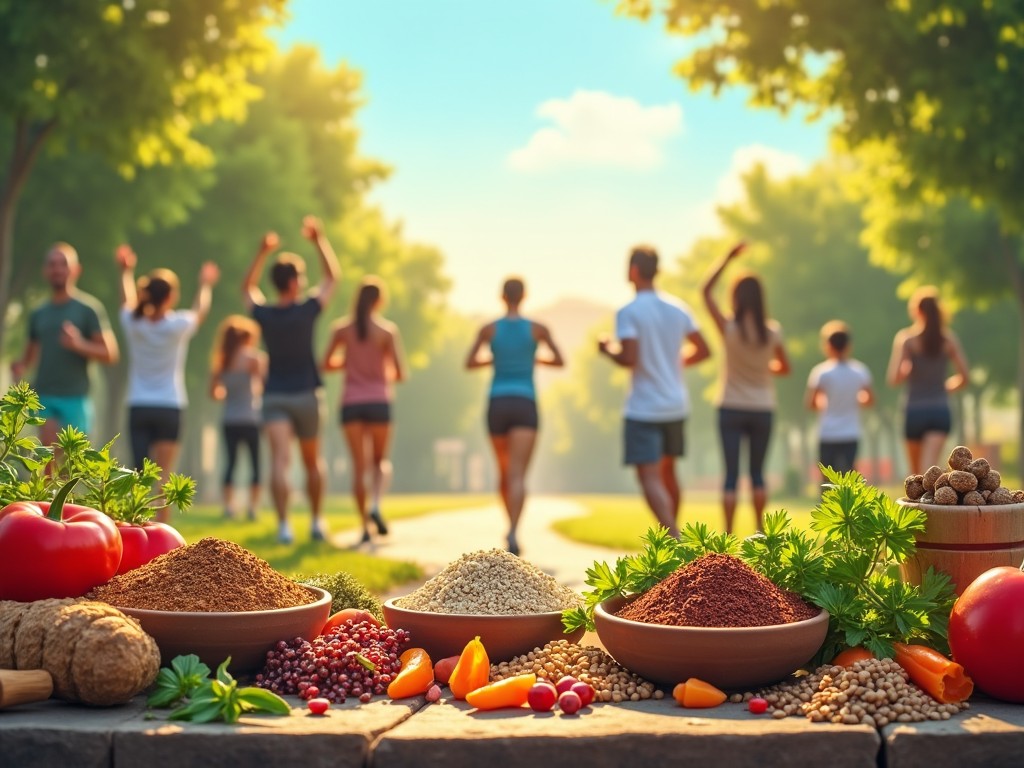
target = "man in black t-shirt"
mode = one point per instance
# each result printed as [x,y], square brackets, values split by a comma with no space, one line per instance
[292,396]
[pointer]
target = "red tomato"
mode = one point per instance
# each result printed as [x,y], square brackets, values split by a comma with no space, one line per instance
[986,632]
[144,542]
[355,615]
[60,552]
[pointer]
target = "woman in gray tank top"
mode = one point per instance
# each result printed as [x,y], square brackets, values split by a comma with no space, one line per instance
[920,359]
[237,381]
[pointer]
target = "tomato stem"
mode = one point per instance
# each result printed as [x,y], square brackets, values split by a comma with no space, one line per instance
[57,505]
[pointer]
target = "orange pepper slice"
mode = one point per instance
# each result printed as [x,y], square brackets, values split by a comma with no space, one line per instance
[697,694]
[941,678]
[510,692]
[473,670]
[851,656]
[415,675]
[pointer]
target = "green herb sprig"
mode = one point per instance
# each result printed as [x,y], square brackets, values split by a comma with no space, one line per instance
[207,700]
[847,564]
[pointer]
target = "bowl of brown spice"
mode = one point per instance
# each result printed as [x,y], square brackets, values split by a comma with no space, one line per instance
[508,602]
[216,599]
[715,619]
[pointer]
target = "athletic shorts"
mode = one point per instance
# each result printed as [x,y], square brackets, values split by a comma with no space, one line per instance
[68,411]
[647,442]
[508,412]
[926,418]
[302,409]
[371,413]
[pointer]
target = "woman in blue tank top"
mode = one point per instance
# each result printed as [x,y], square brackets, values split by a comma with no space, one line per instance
[512,419]
[920,358]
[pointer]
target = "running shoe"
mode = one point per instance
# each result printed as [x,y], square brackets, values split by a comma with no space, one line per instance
[382,527]
[319,532]
[284,533]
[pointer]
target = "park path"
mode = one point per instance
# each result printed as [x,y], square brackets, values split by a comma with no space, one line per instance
[435,540]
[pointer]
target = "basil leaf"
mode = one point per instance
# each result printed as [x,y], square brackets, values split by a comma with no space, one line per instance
[261,700]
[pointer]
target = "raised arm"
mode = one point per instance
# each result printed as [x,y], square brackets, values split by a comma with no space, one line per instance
[710,282]
[330,269]
[543,335]
[209,274]
[473,359]
[251,282]
[126,260]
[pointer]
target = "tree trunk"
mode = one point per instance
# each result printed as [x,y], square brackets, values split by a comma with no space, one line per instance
[1010,250]
[27,143]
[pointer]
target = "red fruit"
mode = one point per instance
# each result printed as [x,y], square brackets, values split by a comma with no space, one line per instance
[986,632]
[542,696]
[569,702]
[584,691]
[757,705]
[318,706]
[444,668]
[434,693]
[565,683]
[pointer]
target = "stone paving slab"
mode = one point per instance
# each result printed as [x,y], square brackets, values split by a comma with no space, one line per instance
[640,733]
[990,734]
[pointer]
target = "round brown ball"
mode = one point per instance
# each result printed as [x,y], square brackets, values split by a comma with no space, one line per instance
[942,481]
[914,487]
[1018,497]
[962,481]
[974,499]
[979,468]
[990,481]
[946,496]
[1001,496]
[931,476]
[985,494]
[960,457]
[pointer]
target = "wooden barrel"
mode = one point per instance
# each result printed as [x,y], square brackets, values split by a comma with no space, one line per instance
[964,542]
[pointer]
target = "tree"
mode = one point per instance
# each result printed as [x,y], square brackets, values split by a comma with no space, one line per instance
[130,82]
[933,87]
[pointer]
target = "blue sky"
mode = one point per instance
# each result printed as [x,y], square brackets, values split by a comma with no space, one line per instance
[542,137]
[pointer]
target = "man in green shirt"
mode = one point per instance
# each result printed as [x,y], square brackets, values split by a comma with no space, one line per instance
[64,334]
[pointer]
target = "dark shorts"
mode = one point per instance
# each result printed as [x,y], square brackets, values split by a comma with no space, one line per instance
[511,412]
[840,455]
[302,409]
[151,424]
[928,418]
[647,442]
[372,413]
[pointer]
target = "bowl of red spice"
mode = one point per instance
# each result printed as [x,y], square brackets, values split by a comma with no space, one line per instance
[715,619]
[216,599]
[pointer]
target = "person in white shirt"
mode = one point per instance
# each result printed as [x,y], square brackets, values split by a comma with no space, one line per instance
[657,336]
[838,388]
[158,336]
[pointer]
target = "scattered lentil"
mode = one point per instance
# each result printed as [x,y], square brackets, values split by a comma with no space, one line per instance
[872,692]
[717,590]
[210,575]
[588,664]
[491,583]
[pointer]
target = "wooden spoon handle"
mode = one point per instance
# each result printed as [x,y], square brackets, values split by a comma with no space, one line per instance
[20,686]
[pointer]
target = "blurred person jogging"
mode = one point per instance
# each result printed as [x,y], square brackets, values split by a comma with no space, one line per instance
[64,334]
[838,388]
[658,337]
[293,392]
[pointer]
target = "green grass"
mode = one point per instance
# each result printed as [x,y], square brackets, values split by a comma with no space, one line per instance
[378,574]
[618,522]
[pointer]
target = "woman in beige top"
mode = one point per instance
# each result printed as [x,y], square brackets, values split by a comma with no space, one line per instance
[754,355]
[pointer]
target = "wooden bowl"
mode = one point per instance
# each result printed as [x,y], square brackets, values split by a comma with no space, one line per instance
[965,541]
[731,658]
[504,637]
[245,636]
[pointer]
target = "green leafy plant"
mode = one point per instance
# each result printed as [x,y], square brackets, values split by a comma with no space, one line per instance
[847,564]
[20,454]
[207,700]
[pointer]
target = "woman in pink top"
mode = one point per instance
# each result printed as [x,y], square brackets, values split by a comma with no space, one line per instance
[754,355]
[368,349]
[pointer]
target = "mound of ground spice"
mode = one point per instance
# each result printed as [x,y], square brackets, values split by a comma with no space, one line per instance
[717,591]
[210,575]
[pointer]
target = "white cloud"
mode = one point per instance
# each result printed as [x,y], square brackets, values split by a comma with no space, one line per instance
[597,129]
[778,165]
